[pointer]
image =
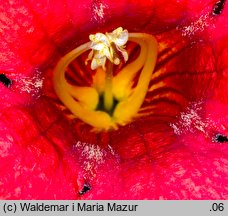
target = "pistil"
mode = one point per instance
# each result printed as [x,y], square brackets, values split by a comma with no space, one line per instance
[108,95]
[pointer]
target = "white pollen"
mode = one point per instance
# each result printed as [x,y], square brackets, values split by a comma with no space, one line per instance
[99,12]
[31,85]
[92,156]
[196,26]
[191,121]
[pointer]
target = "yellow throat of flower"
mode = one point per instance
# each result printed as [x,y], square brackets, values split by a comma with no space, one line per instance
[111,100]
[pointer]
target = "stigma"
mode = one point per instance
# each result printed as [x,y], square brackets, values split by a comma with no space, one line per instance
[119,83]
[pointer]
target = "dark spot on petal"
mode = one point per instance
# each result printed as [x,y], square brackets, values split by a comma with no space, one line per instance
[85,189]
[220,138]
[218,7]
[5,80]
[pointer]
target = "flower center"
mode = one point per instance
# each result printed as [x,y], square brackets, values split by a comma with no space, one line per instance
[113,98]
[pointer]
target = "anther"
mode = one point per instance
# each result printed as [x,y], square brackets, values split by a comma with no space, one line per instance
[5,80]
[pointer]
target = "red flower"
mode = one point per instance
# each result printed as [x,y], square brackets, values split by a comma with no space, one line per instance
[176,150]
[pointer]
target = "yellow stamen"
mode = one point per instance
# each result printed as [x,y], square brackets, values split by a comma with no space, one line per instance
[97,119]
[84,101]
[128,108]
